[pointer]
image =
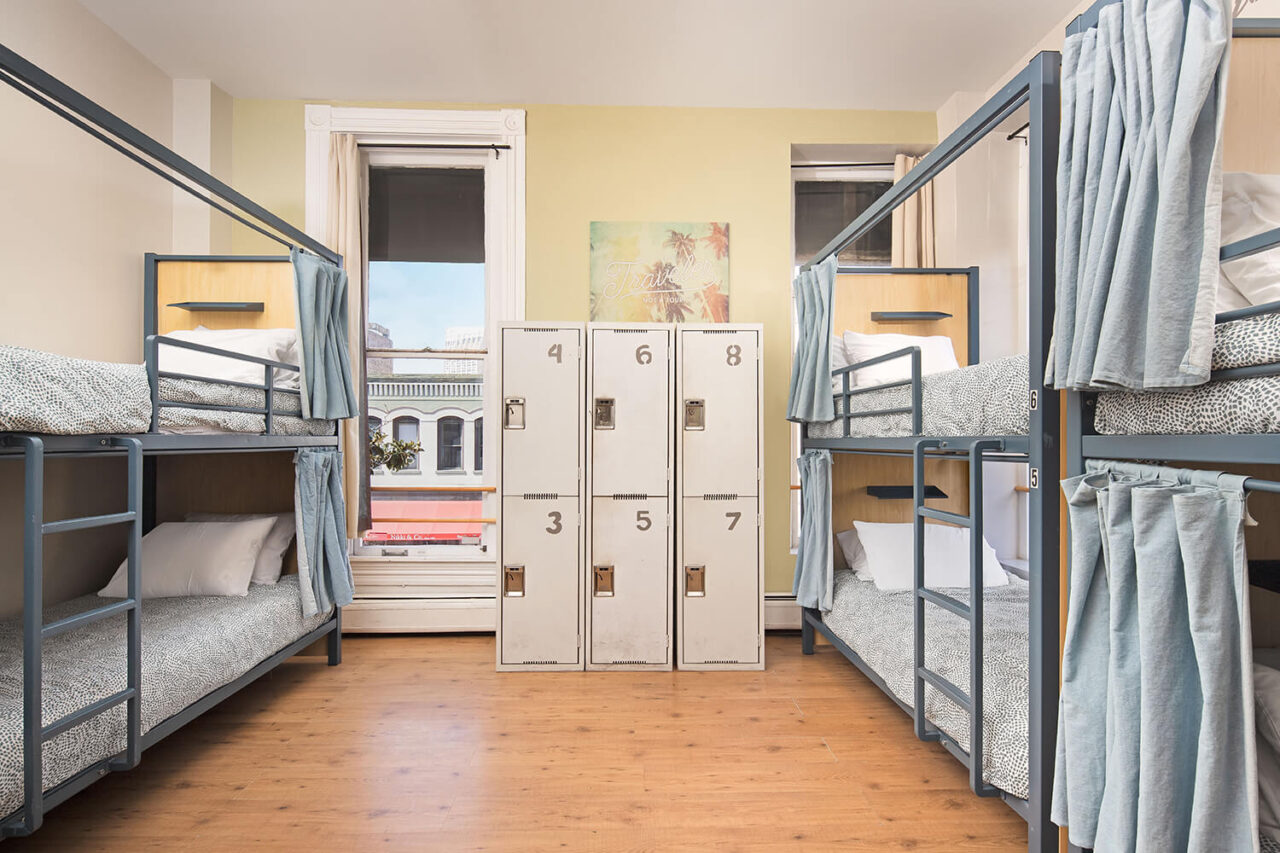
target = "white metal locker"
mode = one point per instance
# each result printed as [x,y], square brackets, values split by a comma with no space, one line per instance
[720,544]
[540,590]
[541,408]
[541,533]
[719,376]
[630,455]
[629,587]
[629,376]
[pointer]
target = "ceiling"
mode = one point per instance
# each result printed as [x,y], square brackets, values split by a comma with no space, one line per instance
[882,54]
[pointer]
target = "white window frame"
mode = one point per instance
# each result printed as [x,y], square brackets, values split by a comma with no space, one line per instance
[815,171]
[504,233]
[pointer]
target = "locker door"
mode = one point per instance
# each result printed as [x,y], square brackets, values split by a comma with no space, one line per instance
[631,410]
[722,625]
[540,588]
[718,372]
[630,609]
[541,406]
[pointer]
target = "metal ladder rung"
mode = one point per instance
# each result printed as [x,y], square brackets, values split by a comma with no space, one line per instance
[88,712]
[88,617]
[943,515]
[871,413]
[87,522]
[955,694]
[947,603]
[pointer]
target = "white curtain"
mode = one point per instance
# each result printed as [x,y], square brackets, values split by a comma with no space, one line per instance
[913,238]
[347,233]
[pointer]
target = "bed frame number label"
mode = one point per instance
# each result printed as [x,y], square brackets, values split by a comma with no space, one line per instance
[1035,478]
[1035,400]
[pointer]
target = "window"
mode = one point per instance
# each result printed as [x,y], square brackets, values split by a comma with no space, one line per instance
[479,445]
[449,444]
[406,429]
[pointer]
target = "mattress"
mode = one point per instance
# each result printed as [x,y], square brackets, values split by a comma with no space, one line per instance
[190,647]
[286,417]
[879,627]
[986,399]
[1223,407]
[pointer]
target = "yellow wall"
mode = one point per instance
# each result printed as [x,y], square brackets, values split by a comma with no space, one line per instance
[635,163]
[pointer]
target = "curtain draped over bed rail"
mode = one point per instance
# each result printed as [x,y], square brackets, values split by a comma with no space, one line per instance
[815,561]
[810,399]
[1139,196]
[324,571]
[1155,726]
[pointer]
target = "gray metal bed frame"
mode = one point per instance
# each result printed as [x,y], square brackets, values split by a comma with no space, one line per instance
[141,451]
[1036,87]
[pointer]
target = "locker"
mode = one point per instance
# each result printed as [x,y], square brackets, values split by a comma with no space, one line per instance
[719,592]
[719,422]
[541,408]
[540,578]
[630,399]
[629,583]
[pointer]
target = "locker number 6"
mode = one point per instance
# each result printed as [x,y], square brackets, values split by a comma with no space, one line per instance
[556,526]
[644,355]
[643,521]
[733,355]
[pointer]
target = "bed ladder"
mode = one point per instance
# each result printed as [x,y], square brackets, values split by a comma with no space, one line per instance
[34,731]
[972,702]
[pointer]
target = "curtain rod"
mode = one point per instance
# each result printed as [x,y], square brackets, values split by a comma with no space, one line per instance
[496,149]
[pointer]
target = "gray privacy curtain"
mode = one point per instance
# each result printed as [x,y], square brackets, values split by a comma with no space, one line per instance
[1155,726]
[813,582]
[324,571]
[810,399]
[320,289]
[1139,196]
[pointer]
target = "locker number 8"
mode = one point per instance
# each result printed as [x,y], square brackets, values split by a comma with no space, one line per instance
[644,355]
[643,521]
[556,526]
[557,352]
[733,355]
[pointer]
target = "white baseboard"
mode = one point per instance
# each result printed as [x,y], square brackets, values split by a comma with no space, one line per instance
[781,613]
[418,615]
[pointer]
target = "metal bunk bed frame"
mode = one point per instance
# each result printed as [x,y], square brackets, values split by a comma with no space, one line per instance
[1037,88]
[141,449]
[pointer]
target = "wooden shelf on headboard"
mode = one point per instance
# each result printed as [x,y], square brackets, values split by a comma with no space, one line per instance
[219,306]
[904,493]
[909,316]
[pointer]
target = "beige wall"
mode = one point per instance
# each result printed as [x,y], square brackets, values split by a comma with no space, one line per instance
[635,163]
[76,220]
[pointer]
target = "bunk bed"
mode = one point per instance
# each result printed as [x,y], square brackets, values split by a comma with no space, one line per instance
[87,685]
[985,412]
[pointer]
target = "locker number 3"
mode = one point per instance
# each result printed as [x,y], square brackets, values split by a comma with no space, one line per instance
[733,355]
[556,524]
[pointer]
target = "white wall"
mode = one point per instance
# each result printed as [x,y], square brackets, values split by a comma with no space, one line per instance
[75,220]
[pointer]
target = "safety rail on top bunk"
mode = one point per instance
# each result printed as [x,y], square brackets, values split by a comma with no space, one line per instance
[34,631]
[155,374]
[847,393]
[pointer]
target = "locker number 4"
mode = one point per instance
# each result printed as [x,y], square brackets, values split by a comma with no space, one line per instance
[557,352]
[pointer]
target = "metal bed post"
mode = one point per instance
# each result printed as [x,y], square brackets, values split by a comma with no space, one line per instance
[133,636]
[32,622]
[1044,471]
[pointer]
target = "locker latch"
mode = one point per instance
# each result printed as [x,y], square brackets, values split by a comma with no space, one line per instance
[513,413]
[603,583]
[695,581]
[604,413]
[513,581]
[695,414]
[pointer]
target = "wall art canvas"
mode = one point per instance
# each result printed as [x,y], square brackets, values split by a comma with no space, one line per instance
[660,272]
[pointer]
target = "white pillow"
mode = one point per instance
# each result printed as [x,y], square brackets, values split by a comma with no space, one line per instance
[198,558]
[839,359]
[270,561]
[855,556]
[890,550]
[273,344]
[1250,206]
[937,355]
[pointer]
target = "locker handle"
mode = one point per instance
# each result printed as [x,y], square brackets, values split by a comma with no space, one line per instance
[604,408]
[602,581]
[695,581]
[513,581]
[695,414]
[513,413]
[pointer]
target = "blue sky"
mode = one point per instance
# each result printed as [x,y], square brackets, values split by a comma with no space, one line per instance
[418,301]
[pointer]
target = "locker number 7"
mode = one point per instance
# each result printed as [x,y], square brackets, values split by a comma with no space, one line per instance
[734,518]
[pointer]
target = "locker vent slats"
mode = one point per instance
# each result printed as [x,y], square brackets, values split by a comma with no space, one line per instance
[627,496]
[723,496]
[541,496]
[720,661]
[632,662]
[631,331]
[718,332]
[539,662]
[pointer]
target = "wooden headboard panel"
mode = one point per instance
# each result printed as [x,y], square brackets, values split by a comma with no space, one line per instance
[1253,111]
[857,295]
[852,473]
[220,279]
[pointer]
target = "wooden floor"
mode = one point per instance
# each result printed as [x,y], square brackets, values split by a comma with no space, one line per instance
[414,743]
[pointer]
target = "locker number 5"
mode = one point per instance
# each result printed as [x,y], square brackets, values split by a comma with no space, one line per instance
[556,525]
[643,521]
